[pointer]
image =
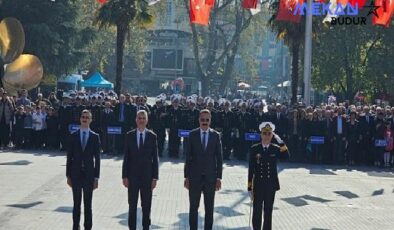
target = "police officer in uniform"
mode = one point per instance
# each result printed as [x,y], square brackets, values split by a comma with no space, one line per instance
[174,120]
[226,121]
[263,179]
[158,113]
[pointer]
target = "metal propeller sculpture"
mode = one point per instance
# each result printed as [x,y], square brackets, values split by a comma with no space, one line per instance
[17,70]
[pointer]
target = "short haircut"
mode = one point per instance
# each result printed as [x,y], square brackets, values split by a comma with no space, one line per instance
[206,111]
[142,112]
[87,111]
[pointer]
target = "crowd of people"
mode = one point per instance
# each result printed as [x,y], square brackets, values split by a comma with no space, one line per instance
[346,134]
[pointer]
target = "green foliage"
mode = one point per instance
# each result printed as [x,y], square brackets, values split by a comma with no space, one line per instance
[347,59]
[52,32]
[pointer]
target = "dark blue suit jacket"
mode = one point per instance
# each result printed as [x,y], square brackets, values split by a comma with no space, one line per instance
[79,161]
[141,165]
[200,162]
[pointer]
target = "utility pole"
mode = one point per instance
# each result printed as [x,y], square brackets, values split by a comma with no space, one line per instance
[308,55]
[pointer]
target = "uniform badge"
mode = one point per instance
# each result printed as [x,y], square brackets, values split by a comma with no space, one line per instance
[258,157]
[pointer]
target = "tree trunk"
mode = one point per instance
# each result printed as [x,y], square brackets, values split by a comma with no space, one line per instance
[228,72]
[295,48]
[121,32]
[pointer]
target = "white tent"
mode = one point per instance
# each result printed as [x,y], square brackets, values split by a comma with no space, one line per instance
[243,85]
[284,84]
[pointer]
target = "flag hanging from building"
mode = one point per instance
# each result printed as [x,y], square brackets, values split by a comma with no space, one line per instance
[199,12]
[286,11]
[384,12]
[249,4]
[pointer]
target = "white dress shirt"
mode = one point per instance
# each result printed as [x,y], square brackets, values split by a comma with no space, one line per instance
[138,137]
[206,137]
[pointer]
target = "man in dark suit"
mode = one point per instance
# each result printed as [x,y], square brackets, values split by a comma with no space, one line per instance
[140,170]
[203,169]
[339,128]
[83,168]
[367,127]
[125,116]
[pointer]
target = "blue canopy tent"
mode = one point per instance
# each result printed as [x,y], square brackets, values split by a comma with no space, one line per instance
[97,81]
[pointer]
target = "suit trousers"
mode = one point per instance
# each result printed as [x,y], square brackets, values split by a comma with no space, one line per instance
[145,190]
[83,186]
[263,198]
[207,187]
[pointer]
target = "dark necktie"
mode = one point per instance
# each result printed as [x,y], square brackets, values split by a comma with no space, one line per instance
[141,141]
[265,149]
[204,139]
[83,140]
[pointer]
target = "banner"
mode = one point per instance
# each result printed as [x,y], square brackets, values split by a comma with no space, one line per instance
[183,133]
[316,140]
[380,143]
[73,127]
[252,137]
[115,130]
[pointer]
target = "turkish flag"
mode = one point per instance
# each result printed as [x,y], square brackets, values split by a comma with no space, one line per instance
[210,3]
[199,12]
[286,11]
[102,1]
[249,4]
[384,11]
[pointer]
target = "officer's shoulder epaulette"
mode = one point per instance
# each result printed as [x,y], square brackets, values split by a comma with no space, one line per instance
[151,131]
[256,145]
[215,131]
[275,145]
[94,133]
[130,132]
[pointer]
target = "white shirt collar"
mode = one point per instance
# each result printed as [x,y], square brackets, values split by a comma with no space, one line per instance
[143,132]
[265,146]
[84,129]
[201,130]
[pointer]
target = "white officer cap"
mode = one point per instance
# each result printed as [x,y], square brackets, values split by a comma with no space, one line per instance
[267,127]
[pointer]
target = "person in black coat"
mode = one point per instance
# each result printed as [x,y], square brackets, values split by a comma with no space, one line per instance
[140,170]
[225,123]
[83,168]
[18,126]
[243,123]
[366,121]
[203,169]
[353,137]
[124,115]
[52,133]
[263,179]
[107,120]
[174,122]
[339,131]
[157,122]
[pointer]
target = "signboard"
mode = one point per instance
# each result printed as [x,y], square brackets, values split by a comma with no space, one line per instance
[252,136]
[316,140]
[73,127]
[183,133]
[114,130]
[380,143]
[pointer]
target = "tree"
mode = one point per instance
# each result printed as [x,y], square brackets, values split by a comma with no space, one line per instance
[293,35]
[122,14]
[358,60]
[215,47]
[55,36]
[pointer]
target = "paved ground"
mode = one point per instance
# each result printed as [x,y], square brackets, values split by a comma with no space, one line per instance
[34,195]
